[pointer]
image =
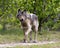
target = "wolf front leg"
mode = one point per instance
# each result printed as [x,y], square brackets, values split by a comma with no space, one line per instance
[26,33]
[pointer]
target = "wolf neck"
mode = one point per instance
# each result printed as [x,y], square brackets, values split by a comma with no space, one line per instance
[24,24]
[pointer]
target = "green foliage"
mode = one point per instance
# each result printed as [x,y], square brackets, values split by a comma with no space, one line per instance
[8,10]
[1,27]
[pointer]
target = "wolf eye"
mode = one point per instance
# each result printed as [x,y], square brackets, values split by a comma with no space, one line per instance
[17,15]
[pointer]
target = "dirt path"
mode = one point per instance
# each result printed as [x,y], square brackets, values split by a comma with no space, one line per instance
[18,44]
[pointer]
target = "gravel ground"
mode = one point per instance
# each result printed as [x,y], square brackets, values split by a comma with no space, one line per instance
[18,44]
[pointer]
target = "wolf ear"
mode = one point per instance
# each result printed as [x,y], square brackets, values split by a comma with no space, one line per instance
[24,11]
[19,10]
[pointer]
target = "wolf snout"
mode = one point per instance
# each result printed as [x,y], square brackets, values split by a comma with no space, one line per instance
[21,19]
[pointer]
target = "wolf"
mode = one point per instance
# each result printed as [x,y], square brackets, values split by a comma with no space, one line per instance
[29,23]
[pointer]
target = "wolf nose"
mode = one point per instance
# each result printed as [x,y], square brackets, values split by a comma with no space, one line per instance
[21,20]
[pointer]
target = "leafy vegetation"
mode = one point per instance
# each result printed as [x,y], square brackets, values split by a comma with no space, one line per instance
[46,10]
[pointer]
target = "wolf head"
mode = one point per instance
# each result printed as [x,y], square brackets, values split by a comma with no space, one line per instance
[21,15]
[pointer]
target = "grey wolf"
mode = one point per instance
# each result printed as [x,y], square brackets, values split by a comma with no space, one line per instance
[29,23]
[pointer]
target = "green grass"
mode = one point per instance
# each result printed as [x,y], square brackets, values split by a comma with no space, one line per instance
[49,36]
[16,35]
[54,45]
[11,36]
